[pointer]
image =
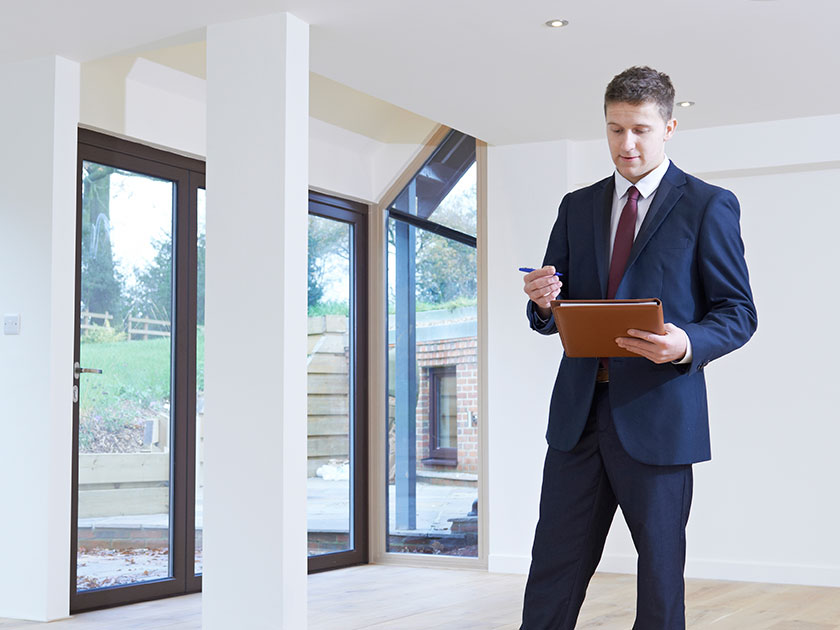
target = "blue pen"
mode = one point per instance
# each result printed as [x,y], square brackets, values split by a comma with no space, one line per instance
[529,270]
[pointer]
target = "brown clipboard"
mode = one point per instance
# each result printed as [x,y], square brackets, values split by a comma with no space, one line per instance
[588,328]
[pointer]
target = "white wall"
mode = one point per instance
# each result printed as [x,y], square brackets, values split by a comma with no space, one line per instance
[103,93]
[768,502]
[153,103]
[37,259]
[766,507]
[166,107]
[354,166]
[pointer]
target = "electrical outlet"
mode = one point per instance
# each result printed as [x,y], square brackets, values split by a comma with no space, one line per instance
[11,324]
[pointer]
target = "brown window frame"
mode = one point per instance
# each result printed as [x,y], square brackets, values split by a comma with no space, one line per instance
[448,455]
[355,214]
[188,174]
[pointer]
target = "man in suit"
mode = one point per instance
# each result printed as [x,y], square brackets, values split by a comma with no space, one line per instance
[625,431]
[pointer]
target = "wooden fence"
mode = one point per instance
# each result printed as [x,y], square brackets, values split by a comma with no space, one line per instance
[88,317]
[328,389]
[139,327]
[136,327]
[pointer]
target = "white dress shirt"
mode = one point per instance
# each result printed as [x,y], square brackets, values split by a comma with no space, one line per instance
[647,187]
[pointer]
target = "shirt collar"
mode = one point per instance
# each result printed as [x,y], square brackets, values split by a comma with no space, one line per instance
[647,185]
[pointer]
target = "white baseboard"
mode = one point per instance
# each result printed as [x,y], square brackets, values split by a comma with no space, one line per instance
[770,573]
[498,563]
[806,575]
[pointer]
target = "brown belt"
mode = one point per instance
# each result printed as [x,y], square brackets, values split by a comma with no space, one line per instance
[603,375]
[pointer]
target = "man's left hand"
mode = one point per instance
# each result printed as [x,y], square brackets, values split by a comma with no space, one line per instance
[658,348]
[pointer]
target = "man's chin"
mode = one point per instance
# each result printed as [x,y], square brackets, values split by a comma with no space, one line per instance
[630,174]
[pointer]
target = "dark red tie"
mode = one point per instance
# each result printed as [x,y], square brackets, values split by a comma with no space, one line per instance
[623,241]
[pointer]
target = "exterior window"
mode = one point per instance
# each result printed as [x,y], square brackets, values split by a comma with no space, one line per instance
[432,390]
[443,416]
[137,477]
[336,385]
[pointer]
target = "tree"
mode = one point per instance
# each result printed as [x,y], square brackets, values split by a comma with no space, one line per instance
[102,284]
[327,238]
[152,295]
[446,269]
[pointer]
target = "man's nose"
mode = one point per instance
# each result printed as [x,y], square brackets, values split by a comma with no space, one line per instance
[628,142]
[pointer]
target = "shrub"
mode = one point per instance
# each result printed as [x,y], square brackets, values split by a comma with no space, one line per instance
[103,334]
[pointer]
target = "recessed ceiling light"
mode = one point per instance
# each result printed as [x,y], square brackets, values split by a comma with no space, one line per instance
[685,104]
[557,23]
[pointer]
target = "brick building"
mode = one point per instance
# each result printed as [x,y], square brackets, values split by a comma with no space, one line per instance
[447,367]
[447,394]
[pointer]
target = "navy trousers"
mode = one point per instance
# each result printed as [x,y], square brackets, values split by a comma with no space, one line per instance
[581,489]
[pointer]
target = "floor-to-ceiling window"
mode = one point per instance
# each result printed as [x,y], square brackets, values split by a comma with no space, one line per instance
[336,368]
[433,463]
[136,396]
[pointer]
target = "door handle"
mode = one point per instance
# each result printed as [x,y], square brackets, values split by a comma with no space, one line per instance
[77,369]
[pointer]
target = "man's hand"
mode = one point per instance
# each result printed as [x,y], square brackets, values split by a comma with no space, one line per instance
[542,286]
[658,348]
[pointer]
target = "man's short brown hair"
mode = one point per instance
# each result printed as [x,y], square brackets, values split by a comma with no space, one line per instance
[641,84]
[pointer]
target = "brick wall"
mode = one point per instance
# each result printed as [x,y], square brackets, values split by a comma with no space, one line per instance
[462,354]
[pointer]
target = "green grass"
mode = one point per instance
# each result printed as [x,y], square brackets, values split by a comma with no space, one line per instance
[329,307]
[199,359]
[451,305]
[134,374]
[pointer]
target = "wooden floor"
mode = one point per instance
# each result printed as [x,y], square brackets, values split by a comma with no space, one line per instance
[397,598]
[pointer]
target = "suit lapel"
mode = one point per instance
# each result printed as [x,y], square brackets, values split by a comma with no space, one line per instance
[601,213]
[667,196]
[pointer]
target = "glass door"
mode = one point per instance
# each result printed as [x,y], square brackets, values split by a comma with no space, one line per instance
[336,394]
[124,379]
[134,370]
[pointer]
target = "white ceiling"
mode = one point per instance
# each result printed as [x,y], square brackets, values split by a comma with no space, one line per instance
[490,68]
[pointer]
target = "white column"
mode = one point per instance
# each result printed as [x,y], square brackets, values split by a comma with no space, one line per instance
[255,361]
[40,111]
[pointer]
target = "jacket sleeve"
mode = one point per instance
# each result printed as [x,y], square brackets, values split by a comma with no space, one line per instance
[557,254]
[730,318]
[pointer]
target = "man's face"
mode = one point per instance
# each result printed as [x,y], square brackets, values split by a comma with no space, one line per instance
[637,135]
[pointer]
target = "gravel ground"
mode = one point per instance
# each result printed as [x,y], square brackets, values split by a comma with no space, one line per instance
[98,568]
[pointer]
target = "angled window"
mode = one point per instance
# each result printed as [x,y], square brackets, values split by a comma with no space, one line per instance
[432,395]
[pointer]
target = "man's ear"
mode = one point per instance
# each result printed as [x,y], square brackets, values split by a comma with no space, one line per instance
[670,128]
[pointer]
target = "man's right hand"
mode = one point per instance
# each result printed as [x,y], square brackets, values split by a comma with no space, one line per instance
[542,286]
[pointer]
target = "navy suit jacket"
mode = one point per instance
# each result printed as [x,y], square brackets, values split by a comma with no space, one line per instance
[688,253]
